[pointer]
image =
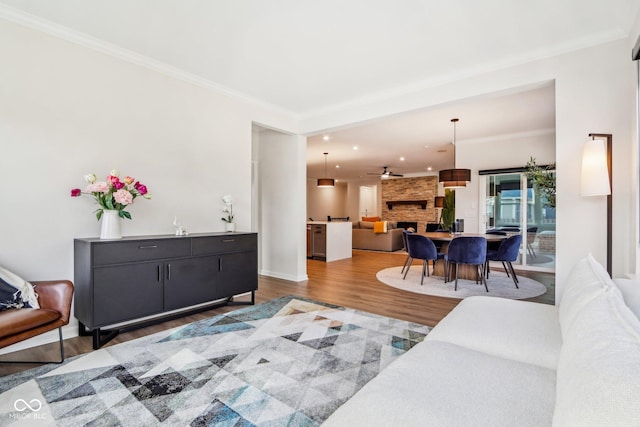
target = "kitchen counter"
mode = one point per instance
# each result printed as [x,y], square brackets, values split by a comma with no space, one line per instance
[329,240]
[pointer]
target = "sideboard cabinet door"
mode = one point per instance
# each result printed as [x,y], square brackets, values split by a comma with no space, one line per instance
[124,292]
[237,274]
[189,281]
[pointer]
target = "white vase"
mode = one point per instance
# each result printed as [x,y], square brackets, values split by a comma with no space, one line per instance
[110,229]
[230,226]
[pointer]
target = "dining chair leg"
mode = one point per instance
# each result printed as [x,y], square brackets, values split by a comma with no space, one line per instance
[407,269]
[405,264]
[424,267]
[485,283]
[455,288]
[513,275]
[506,270]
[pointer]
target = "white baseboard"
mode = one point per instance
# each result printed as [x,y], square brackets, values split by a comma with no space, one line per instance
[277,275]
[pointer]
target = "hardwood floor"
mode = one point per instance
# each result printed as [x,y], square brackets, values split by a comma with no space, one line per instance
[351,282]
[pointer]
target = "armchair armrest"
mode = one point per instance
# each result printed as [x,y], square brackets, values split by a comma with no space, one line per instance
[55,295]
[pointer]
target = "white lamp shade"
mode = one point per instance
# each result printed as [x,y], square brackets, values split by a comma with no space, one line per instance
[595,174]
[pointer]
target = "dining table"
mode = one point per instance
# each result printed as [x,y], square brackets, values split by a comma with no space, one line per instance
[468,272]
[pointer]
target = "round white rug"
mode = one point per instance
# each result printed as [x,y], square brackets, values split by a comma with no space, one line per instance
[498,283]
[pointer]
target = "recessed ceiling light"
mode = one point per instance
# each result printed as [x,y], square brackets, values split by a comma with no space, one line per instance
[429,168]
[402,159]
[325,138]
[337,166]
[355,147]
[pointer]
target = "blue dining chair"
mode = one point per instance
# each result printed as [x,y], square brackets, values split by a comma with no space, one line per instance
[421,247]
[406,247]
[467,250]
[507,253]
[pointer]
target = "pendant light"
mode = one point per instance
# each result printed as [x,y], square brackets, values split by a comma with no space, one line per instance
[325,182]
[454,178]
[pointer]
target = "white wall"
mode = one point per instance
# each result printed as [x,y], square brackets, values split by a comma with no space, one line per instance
[282,210]
[504,153]
[633,184]
[67,110]
[322,202]
[594,93]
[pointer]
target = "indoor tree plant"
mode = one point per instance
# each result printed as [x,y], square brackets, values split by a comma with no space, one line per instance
[448,209]
[544,181]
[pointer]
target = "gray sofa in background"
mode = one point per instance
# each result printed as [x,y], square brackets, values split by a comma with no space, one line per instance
[363,237]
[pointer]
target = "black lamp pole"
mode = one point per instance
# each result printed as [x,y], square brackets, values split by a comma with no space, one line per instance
[609,138]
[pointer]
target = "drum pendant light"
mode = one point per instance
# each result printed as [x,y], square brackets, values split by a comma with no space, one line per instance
[454,178]
[325,182]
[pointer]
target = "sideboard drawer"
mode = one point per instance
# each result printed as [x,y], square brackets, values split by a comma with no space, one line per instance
[225,243]
[141,250]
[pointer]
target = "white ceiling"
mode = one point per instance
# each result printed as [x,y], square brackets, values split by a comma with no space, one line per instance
[424,138]
[306,57]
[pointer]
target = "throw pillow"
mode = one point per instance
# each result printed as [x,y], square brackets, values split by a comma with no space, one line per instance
[371,218]
[10,297]
[630,293]
[26,290]
[367,224]
[586,281]
[380,227]
[599,365]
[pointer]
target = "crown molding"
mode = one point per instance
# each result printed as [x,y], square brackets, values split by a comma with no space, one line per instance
[507,136]
[56,30]
[456,76]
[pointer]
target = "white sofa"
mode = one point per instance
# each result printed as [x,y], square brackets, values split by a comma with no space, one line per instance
[499,362]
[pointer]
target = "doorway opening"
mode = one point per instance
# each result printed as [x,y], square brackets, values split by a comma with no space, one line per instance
[368,201]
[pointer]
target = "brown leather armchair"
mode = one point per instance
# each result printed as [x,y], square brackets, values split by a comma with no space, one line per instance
[54,297]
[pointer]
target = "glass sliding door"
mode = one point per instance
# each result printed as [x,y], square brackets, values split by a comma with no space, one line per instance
[514,206]
[541,232]
[504,205]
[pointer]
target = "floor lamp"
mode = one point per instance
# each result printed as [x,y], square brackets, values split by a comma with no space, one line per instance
[596,177]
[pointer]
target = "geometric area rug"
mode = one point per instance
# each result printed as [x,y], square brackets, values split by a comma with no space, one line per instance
[287,362]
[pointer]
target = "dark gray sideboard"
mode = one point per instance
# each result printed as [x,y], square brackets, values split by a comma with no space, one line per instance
[119,281]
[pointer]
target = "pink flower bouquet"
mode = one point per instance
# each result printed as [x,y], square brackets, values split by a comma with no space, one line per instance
[113,194]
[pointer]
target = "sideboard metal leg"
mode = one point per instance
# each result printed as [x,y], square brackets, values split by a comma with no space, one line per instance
[99,341]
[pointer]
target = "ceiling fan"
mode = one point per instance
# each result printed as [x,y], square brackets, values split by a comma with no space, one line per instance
[385,173]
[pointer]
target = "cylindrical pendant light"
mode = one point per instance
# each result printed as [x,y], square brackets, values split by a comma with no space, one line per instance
[454,178]
[325,182]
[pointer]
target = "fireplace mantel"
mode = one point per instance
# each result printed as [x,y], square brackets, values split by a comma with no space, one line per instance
[392,203]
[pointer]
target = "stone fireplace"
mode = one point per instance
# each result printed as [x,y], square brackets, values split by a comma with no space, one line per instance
[410,200]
